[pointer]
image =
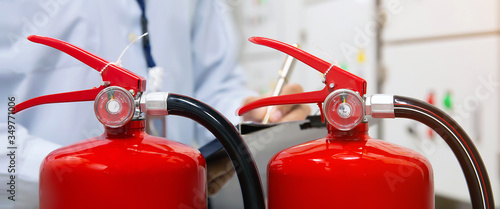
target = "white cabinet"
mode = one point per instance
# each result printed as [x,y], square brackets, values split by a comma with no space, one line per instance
[466,67]
[409,19]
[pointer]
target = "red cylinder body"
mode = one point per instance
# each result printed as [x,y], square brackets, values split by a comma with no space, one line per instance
[124,168]
[350,170]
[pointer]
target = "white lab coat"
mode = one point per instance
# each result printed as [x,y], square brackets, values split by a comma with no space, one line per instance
[192,40]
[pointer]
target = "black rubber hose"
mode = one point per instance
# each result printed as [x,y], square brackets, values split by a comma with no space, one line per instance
[229,137]
[460,143]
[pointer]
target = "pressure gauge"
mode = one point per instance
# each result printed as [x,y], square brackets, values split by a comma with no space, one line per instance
[114,106]
[343,109]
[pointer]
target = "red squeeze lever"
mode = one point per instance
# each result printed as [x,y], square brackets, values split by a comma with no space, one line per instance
[112,75]
[335,78]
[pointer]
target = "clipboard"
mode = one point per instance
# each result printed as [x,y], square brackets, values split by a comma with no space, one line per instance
[264,144]
[213,150]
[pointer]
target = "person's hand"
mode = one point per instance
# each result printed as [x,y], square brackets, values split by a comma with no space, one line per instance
[279,113]
[218,173]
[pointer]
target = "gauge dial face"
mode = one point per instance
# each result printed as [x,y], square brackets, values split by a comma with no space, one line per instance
[114,106]
[344,109]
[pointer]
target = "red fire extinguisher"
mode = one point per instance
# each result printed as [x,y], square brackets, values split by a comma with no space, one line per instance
[125,167]
[349,169]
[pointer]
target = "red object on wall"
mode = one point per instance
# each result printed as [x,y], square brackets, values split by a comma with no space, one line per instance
[124,168]
[348,169]
[430,100]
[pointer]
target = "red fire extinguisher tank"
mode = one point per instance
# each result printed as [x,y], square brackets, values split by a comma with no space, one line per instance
[124,168]
[348,169]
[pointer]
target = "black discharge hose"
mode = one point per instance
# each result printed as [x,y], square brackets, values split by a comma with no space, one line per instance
[229,137]
[457,139]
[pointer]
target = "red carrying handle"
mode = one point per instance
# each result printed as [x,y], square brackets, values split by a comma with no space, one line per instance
[340,78]
[112,75]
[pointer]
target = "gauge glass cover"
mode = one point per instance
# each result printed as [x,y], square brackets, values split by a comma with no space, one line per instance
[343,109]
[114,106]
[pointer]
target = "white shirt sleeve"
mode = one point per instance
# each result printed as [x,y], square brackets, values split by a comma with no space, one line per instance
[22,160]
[219,79]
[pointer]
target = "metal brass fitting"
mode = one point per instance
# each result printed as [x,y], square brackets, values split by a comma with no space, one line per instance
[380,106]
[154,103]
